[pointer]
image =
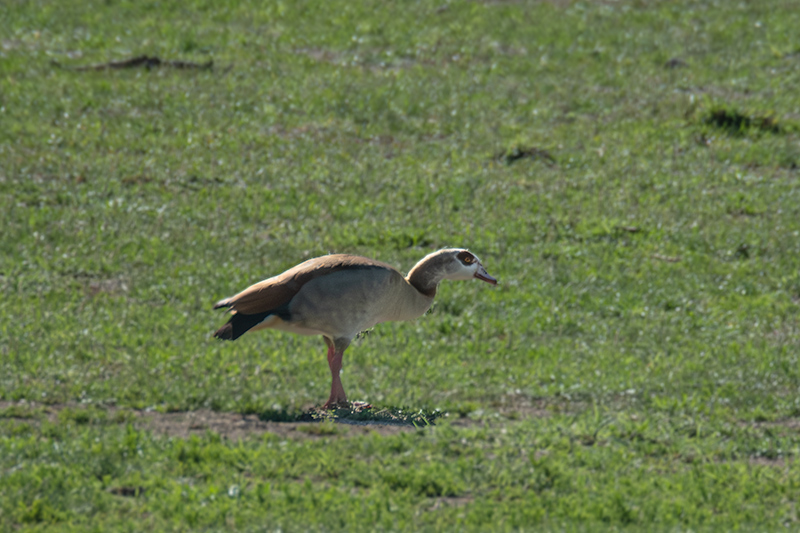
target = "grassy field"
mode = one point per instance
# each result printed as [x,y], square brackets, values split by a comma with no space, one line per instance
[628,170]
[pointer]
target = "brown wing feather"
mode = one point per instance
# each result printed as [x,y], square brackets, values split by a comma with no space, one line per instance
[277,291]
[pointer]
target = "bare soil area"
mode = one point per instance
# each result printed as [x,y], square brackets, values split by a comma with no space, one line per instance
[233,426]
[312,423]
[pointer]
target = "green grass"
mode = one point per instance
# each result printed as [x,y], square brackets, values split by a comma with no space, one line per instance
[636,369]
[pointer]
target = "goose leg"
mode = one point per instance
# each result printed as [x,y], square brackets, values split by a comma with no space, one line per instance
[337,397]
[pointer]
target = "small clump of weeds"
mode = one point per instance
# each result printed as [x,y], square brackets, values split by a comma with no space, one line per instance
[123,416]
[21,412]
[82,416]
[367,414]
[466,408]
[519,152]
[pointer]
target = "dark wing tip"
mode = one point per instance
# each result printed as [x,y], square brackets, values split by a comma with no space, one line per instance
[225,332]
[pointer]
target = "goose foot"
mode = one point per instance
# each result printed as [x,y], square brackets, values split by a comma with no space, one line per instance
[355,406]
[333,404]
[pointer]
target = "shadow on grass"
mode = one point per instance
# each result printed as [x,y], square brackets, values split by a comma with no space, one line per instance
[736,123]
[518,152]
[357,415]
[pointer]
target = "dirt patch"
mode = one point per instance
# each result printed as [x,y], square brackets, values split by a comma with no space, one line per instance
[372,59]
[312,423]
[507,409]
[778,462]
[450,501]
[666,258]
[232,426]
[147,62]
[790,423]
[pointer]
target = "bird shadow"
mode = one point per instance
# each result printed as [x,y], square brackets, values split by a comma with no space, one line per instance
[357,415]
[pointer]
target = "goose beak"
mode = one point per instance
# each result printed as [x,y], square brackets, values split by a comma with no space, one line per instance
[482,275]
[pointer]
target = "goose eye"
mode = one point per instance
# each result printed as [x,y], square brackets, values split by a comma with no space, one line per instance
[466,257]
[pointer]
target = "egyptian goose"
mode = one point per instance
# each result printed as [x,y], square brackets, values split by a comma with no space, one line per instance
[339,296]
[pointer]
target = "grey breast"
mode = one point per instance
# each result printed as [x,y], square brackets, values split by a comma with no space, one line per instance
[346,302]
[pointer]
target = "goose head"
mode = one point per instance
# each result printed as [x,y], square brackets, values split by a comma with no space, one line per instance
[450,263]
[464,265]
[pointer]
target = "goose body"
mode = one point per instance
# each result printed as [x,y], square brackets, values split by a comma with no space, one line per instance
[338,296]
